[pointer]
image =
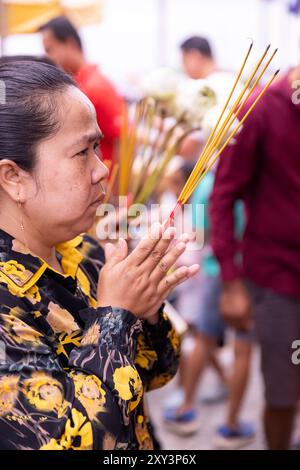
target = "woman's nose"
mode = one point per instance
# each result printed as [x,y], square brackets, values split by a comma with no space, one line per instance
[100,172]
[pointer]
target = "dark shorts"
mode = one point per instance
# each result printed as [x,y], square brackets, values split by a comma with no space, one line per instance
[277,322]
[209,320]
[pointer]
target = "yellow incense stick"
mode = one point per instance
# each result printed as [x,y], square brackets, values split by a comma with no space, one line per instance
[209,156]
[123,145]
[215,138]
[111,182]
[191,188]
[226,126]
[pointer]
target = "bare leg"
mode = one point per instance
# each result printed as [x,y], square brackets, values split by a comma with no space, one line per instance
[239,380]
[214,361]
[194,366]
[278,427]
[182,369]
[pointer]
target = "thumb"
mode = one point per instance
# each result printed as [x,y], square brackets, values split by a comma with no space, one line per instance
[116,253]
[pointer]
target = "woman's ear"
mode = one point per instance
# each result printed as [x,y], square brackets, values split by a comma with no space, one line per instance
[12,179]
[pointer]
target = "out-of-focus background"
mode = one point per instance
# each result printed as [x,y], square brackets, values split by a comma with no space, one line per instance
[136,36]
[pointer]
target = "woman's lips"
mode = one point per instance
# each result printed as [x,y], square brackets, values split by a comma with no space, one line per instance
[98,201]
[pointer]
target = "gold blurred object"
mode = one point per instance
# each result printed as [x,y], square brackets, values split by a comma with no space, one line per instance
[26,16]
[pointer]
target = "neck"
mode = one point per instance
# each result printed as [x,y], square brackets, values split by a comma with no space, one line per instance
[207,68]
[34,241]
[78,61]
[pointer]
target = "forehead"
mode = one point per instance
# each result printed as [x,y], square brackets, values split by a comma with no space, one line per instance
[190,53]
[48,36]
[76,111]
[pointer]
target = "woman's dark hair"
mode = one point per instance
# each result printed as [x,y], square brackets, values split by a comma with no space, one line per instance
[62,29]
[28,108]
[13,58]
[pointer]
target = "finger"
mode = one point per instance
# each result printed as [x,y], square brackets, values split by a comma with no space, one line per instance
[116,253]
[147,244]
[184,237]
[181,274]
[159,251]
[162,248]
[162,266]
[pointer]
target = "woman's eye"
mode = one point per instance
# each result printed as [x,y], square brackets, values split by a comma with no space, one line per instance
[97,148]
[83,153]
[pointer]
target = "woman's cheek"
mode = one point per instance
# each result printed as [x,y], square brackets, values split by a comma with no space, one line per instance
[79,195]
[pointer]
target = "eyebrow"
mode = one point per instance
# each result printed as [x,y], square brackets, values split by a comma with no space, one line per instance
[88,138]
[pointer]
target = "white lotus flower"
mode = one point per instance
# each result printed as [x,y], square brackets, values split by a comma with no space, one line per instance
[211,118]
[194,99]
[222,83]
[162,84]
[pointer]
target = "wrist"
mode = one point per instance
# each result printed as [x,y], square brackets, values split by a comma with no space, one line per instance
[233,283]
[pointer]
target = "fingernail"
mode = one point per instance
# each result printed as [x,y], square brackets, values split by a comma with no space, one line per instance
[169,233]
[185,237]
[194,268]
[155,232]
[181,246]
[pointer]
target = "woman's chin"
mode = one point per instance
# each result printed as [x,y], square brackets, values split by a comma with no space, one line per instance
[88,223]
[84,225]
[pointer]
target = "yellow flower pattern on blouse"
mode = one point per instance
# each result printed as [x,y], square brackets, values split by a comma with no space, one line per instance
[8,393]
[92,335]
[60,319]
[145,356]
[78,427]
[89,391]
[45,393]
[73,376]
[129,386]
[33,294]
[20,331]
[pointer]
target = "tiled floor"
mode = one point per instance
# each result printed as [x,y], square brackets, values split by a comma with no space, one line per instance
[210,416]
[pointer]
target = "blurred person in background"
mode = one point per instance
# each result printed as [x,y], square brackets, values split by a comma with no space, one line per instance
[263,169]
[63,45]
[199,63]
[201,295]
[209,333]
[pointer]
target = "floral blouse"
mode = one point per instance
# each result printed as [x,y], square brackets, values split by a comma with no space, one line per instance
[73,376]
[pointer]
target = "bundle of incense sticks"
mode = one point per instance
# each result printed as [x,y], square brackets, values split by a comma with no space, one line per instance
[218,139]
[140,171]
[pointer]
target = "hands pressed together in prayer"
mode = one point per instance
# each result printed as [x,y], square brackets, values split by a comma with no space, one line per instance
[141,281]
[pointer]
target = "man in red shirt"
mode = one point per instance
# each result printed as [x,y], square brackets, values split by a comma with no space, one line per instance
[263,169]
[63,45]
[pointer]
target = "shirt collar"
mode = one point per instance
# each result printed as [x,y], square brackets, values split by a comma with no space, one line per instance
[21,269]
